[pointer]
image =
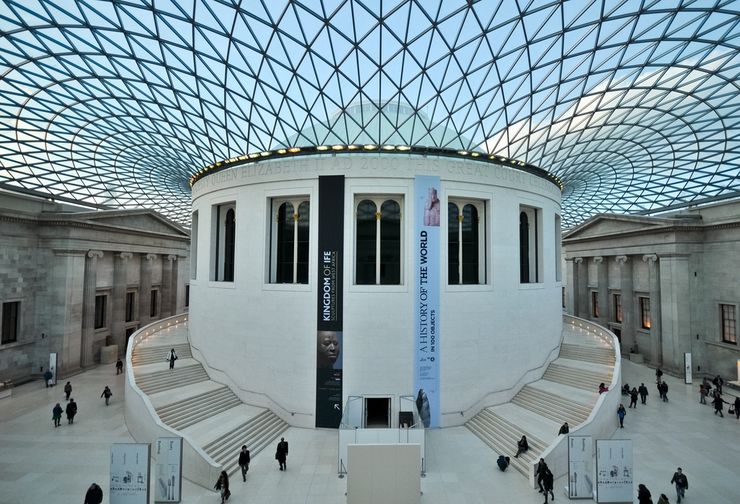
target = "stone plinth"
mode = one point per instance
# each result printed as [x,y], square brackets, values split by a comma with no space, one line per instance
[108,354]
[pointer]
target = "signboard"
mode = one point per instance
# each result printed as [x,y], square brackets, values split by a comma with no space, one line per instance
[614,470]
[329,336]
[53,362]
[129,473]
[580,467]
[687,367]
[425,247]
[168,469]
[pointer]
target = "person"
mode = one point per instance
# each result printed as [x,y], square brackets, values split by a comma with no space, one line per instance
[717,401]
[718,382]
[281,454]
[68,390]
[664,391]
[222,484]
[682,484]
[564,429]
[539,473]
[94,494]
[71,411]
[56,415]
[621,412]
[503,462]
[702,394]
[548,483]
[626,389]
[522,446]
[603,388]
[658,375]
[736,404]
[663,499]
[431,208]
[643,495]
[119,366]
[172,357]
[633,398]
[643,393]
[244,461]
[48,375]
[327,349]
[106,393]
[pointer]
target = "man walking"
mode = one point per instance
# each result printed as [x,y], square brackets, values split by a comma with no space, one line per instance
[244,461]
[682,483]
[282,453]
[106,393]
[643,392]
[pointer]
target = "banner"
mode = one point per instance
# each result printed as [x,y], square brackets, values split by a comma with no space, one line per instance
[425,247]
[53,362]
[687,378]
[129,473]
[329,326]
[168,469]
[614,470]
[580,467]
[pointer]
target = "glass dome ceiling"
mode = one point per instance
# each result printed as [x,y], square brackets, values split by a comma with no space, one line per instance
[633,104]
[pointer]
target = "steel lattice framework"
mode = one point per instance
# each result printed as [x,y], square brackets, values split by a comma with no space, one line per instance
[633,104]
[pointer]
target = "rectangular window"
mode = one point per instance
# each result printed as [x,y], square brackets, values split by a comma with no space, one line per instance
[558,250]
[378,240]
[466,241]
[187,295]
[530,244]
[618,308]
[224,242]
[194,246]
[154,303]
[729,323]
[289,229]
[11,322]
[595,304]
[645,313]
[130,306]
[101,303]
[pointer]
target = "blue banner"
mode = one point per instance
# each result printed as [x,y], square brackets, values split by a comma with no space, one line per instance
[427,273]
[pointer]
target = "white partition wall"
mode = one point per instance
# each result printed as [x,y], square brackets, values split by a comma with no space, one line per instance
[384,473]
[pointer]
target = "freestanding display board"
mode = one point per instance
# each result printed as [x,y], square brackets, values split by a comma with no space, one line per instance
[53,363]
[614,470]
[687,367]
[580,467]
[129,473]
[168,469]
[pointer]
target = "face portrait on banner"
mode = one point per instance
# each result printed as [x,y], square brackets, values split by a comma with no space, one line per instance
[329,349]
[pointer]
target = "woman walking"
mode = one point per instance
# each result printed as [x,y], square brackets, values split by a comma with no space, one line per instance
[223,486]
[621,412]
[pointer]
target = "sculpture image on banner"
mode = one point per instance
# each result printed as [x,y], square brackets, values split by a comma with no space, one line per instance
[167,469]
[129,473]
[580,467]
[614,470]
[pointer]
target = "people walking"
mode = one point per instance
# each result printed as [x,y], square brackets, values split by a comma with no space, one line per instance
[119,366]
[106,393]
[643,390]
[682,484]
[702,394]
[68,390]
[172,357]
[736,404]
[548,483]
[48,375]
[71,411]
[222,484]
[503,462]
[539,473]
[633,398]
[717,402]
[643,495]
[664,391]
[621,412]
[94,494]
[718,382]
[281,454]
[244,461]
[521,446]
[56,415]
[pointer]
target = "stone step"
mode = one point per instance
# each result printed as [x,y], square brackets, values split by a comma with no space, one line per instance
[156,382]
[551,406]
[580,378]
[589,354]
[159,354]
[201,409]
[173,409]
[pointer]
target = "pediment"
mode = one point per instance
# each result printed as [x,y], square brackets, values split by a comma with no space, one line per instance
[606,225]
[141,220]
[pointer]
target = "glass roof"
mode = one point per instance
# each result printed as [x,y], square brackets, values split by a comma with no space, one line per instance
[634,104]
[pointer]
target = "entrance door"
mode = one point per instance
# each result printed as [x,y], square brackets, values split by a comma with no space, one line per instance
[129,332]
[377,412]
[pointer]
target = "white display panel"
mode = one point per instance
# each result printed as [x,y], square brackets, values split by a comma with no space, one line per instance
[687,367]
[384,473]
[129,473]
[580,467]
[614,470]
[53,362]
[167,469]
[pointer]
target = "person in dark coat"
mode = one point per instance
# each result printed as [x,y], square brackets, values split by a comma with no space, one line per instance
[56,415]
[633,398]
[522,446]
[119,366]
[48,375]
[643,393]
[737,408]
[664,391]
[718,382]
[717,402]
[681,482]
[71,411]
[172,357]
[244,461]
[621,412]
[548,483]
[564,429]
[106,393]
[281,454]
[94,494]
[222,484]
[68,390]
[539,473]
[503,462]
[643,495]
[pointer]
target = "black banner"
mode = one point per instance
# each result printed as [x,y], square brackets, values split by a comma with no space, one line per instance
[329,300]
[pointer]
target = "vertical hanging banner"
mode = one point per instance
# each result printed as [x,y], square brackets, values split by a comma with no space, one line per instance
[329,300]
[614,470]
[53,362]
[425,247]
[129,473]
[167,469]
[580,467]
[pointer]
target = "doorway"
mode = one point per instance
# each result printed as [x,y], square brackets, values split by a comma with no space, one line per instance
[129,332]
[377,412]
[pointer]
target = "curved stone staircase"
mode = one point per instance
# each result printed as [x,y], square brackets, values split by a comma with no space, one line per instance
[208,413]
[567,392]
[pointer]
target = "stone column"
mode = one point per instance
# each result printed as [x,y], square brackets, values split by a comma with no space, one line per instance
[145,287]
[166,285]
[675,309]
[628,302]
[602,276]
[175,284]
[120,280]
[87,358]
[571,272]
[656,333]
[583,303]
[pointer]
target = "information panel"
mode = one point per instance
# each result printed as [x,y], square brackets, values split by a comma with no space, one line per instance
[687,367]
[129,473]
[53,363]
[580,467]
[167,469]
[614,470]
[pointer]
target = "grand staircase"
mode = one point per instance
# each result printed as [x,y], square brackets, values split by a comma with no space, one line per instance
[208,413]
[567,392]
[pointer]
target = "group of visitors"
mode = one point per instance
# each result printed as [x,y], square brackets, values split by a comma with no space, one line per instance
[222,484]
[71,409]
[705,390]
[679,479]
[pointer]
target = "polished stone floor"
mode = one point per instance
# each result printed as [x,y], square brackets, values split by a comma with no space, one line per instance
[41,464]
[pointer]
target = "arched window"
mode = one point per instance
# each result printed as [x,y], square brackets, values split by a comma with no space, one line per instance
[290,242]
[523,247]
[466,255]
[530,244]
[378,261]
[229,245]
[224,243]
